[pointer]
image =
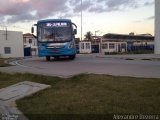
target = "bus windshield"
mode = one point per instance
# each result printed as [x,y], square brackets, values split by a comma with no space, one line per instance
[54,32]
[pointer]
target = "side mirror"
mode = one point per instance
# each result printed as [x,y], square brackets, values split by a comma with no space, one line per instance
[75,31]
[32,30]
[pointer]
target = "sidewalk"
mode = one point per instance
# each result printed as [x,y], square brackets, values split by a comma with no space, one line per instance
[8,96]
[133,56]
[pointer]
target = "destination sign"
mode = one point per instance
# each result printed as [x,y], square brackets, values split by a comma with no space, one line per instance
[57,24]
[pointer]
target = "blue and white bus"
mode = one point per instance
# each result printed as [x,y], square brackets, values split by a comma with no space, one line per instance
[56,37]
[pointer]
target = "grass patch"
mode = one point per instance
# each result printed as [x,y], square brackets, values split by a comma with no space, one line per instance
[10,79]
[151,59]
[156,59]
[88,94]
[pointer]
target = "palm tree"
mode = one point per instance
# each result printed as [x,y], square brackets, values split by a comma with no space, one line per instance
[88,36]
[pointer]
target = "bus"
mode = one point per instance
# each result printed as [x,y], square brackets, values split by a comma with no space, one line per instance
[56,38]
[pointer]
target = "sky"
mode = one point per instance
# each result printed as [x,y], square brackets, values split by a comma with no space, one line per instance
[103,16]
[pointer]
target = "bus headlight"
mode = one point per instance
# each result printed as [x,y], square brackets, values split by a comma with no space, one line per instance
[42,48]
[71,45]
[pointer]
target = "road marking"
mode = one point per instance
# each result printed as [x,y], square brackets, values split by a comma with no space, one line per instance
[21,65]
[18,64]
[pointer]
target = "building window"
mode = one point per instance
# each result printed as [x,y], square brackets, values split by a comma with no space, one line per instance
[82,45]
[105,46]
[30,41]
[123,45]
[7,50]
[111,46]
[87,46]
[34,43]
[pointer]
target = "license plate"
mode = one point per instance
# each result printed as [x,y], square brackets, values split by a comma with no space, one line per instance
[55,51]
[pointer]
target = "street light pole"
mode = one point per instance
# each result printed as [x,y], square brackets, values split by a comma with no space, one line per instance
[96,32]
[81,20]
[96,35]
[6,33]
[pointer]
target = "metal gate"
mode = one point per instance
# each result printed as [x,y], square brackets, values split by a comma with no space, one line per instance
[95,48]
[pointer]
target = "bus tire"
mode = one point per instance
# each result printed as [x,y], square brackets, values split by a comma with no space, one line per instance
[72,57]
[48,58]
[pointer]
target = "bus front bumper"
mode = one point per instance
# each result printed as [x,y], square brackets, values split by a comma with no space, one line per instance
[56,52]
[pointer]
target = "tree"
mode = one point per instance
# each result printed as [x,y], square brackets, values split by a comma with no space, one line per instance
[88,36]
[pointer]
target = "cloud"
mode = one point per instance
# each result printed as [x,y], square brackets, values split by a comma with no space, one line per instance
[21,10]
[118,3]
[149,3]
[47,8]
[28,10]
[22,17]
[74,2]
[97,9]
[10,7]
[85,6]
[99,6]
[151,18]
[113,5]
[148,18]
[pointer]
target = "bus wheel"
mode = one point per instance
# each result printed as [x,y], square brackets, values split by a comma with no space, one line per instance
[72,57]
[48,58]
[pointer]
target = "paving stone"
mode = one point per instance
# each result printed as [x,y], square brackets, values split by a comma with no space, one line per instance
[20,90]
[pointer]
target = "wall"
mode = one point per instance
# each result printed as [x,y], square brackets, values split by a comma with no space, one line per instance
[14,40]
[85,47]
[116,48]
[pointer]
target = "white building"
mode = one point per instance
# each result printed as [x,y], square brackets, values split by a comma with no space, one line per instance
[111,43]
[113,47]
[11,44]
[85,47]
[30,41]
[157,26]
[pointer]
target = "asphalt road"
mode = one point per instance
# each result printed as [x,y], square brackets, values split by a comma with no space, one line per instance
[118,65]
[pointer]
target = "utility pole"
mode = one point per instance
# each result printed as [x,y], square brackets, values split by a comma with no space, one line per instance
[96,35]
[81,20]
[157,27]
[6,33]
[96,32]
